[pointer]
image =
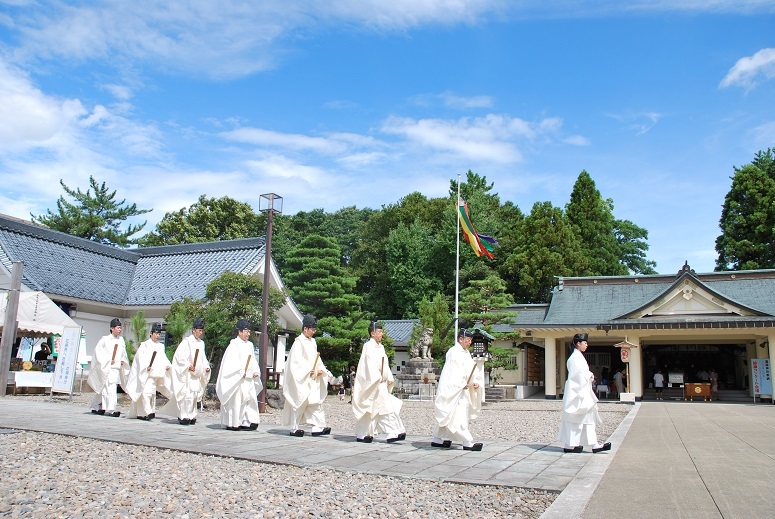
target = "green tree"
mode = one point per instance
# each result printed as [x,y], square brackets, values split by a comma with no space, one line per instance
[548,247]
[435,314]
[95,215]
[229,297]
[321,286]
[593,221]
[484,302]
[410,264]
[633,247]
[139,334]
[208,219]
[747,239]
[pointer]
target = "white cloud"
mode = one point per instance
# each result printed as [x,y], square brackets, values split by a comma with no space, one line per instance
[577,140]
[639,122]
[492,138]
[285,169]
[451,100]
[272,139]
[749,71]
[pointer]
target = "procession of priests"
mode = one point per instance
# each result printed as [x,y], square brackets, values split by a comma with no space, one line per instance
[459,394]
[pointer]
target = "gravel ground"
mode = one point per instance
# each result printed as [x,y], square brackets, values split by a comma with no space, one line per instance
[47,475]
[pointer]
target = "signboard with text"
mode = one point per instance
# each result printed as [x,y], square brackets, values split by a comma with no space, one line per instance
[761,376]
[64,375]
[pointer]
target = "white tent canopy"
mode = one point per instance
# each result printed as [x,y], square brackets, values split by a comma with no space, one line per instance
[38,315]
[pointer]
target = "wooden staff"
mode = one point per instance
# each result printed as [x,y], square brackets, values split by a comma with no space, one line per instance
[315,364]
[196,354]
[247,363]
[153,357]
[115,349]
[471,375]
[382,367]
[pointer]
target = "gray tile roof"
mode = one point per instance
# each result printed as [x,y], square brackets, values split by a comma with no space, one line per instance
[589,301]
[399,330]
[60,264]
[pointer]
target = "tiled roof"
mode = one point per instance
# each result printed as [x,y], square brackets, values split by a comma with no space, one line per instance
[167,274]
[399,330]
[61,264]
[587,301]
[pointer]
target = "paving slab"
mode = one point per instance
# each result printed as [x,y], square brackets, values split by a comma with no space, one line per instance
[501,463]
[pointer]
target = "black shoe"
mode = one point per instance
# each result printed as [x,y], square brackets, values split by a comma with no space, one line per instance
[446,444]
[474,447]
[94,411]
[142,418]
[184,421]
[297,433]
[232,428]
[152,416]
[576,449]
[402,436]
[101,411]
[393,440]
[115,414]
[192,421]
[365,439]
[253,426]
[326,430]
[606,447]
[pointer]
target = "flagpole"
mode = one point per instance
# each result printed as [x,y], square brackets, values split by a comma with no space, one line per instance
[457,257]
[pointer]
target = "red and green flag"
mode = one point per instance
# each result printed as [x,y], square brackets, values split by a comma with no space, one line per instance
[483,245]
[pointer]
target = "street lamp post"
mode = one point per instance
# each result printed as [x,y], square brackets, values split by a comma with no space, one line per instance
[270,204]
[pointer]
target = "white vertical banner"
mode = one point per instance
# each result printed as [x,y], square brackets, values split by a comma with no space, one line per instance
[761,377]
[64,375]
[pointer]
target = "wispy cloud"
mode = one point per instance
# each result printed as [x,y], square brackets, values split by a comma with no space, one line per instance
[451,100]
[232,38]
[764,135]
[638,122]
[492,138]
[750,71]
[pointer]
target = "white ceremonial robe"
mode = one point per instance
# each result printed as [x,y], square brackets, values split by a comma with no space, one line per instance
[579,405]
[237,388]
[145,379]
[187,387]
[106,371]
[455,404]
[376,409]
[304,393]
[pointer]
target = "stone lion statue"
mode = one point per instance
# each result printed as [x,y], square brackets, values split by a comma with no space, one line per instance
[422,348]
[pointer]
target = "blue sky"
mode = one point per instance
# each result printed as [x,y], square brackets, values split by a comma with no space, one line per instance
[360,102]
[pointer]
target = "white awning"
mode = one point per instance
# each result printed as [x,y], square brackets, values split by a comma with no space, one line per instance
[38,315]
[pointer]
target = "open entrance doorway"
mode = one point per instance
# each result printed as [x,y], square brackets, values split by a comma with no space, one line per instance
[696,361]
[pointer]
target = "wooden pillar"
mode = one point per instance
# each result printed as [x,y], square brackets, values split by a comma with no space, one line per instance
[550,368]
[9,327]
[635,380]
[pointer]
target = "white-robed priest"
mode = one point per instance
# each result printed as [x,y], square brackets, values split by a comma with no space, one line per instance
[190,375]
[150,372]
[109,367]
[376,409]
[579,403]
[306,383]
[459,396]
[239,382]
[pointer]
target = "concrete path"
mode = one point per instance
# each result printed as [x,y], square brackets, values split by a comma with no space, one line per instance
[499,463]
[686,460]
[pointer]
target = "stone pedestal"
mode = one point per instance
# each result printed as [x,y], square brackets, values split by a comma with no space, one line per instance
[416,372]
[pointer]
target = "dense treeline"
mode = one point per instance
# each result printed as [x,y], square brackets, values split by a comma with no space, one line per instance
[386,261]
